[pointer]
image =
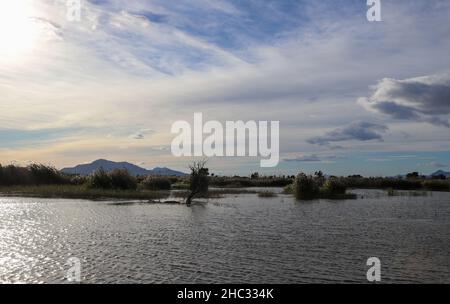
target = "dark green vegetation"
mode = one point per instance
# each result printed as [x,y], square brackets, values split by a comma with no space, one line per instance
[308,187]
[411,183]
[437,185]
[247,182]
[118,179]
[156,183]
[80,192]
[34,174]
[46,181]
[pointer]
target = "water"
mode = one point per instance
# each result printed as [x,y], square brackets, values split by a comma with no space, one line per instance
[237,239]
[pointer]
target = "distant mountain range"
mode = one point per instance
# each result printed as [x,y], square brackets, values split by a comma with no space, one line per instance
[440,172]
[107,165]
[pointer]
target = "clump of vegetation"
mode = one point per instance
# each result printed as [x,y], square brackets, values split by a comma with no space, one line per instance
[360,182]
[78,180]
[437,185]
[99,180]
[34,174]
[308,187]
[119,179]
[156,183]
[42,174]
[305,187]
[334,186]
[199,183]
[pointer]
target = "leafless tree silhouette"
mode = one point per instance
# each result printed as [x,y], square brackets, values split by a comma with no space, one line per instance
[198,180]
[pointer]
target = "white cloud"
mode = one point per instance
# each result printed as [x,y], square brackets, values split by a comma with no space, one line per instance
[423,99]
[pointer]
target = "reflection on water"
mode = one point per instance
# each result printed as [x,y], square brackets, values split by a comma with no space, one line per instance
[237,239]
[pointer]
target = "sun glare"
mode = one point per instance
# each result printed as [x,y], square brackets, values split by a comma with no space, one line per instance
[18,31]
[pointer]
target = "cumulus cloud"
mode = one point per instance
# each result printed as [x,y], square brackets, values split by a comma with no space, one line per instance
[361,131]
[423,99]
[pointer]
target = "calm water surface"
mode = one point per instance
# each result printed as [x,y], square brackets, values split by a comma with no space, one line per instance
[237,239]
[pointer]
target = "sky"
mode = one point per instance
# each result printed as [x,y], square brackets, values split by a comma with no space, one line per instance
[351,96]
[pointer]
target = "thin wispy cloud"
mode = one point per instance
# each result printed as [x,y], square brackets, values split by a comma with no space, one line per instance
[312,158]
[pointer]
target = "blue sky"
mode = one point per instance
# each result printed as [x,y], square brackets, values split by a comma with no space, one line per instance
[351,96]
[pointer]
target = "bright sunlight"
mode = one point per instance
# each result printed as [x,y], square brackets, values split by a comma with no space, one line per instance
[18,32]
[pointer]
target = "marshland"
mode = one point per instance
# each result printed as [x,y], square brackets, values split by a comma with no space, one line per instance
[45,181]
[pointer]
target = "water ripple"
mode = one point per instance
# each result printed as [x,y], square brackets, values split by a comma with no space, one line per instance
[237,239]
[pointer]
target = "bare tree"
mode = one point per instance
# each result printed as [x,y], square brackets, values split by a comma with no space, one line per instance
[198,180]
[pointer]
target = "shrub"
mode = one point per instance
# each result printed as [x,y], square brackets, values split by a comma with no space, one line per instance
[334,186]
[121,179]
[156,183]
[42,174]
[35,174]
[305,187]
[99,180]
[12,175]
[319,178]
[78,180]
[199,179]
